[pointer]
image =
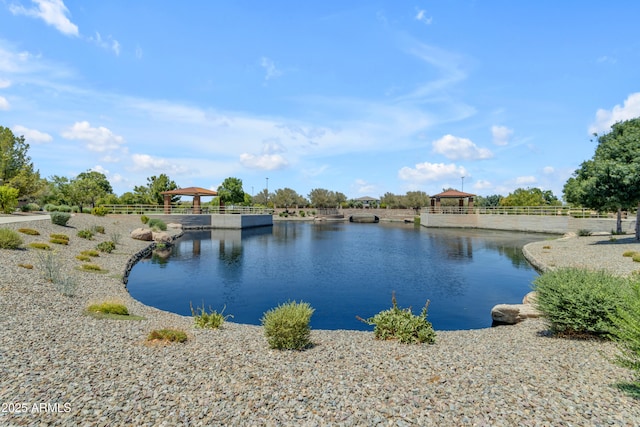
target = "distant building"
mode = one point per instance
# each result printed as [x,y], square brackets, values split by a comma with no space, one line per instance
[368,202]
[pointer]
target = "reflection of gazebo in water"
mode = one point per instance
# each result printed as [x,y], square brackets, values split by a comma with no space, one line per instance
[196,192]
[452,194]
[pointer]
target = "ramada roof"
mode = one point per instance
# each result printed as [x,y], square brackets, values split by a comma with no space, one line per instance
[191,191]
[453,194]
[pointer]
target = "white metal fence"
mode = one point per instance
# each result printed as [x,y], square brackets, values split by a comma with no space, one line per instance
[526,210]
[178,209]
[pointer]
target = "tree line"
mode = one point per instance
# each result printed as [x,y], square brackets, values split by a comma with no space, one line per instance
[608,182]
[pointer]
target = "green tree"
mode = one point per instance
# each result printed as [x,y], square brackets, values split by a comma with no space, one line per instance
[610,180]
[99,178]
[286,197]
[230,191]
[16,168]
[8,199]
[489,201]
[85,191]
[416,200]
[323,198]
[151,193]
[530,197]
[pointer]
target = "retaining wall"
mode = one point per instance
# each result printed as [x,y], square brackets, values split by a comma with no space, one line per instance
[231,221]
[534,223]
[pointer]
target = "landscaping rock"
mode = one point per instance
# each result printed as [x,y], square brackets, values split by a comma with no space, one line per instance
[510,314]
[174,225]
[161,237]
[530,298]
[142,234]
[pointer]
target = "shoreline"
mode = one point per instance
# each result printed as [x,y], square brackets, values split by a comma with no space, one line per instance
[52,352]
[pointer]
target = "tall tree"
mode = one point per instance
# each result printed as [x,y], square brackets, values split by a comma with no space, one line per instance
[530,197]
[417,199]
[230,191]
[151,193]
[16,168]
[611,179]
[286,197]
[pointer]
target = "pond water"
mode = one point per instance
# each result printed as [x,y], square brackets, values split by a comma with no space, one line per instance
[343,270]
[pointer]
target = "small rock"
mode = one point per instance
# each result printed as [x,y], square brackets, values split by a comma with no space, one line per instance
[511,314]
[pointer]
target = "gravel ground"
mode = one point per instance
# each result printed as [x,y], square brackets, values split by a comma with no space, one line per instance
[59,366]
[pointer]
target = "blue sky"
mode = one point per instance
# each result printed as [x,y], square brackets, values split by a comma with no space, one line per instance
[361,97]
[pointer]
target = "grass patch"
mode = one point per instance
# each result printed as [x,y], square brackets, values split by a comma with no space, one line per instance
[629,253]
[59,236]
[109,307]
[98,229]
[40,245]
[59,241]
[27,266]
[630,389]
[636,257]
[91,253]
[546,247]
[85,234]
[29,231]
[106,247]
[167,335]
[93,268]
[83,258]
[402,325]
[9,239]
[208,320]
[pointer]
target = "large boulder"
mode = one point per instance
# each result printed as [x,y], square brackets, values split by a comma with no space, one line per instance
[161,237]
[510,314]
[145,234]
[529,298]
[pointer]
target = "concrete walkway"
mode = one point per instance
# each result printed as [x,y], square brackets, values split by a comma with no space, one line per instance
[6,219]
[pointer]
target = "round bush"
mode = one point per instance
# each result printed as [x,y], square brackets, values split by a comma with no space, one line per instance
[287,326]
[60,218]
[580,301]
[9,239]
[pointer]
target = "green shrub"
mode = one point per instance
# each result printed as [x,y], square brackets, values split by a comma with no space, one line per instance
[50,266]
[90,252]
[156,223]
[583,232]
[577,301]
[211,320]
[91,267]
[402,325]
[59,241]
[99,211]
[86,234]
[50,207]
[59,236]
[9,239]
[83,258]
[168,335]
[29,231]
[626,330]
[115,237]
[107,247]
[8,199]
[30,207]
[629,253]
[60,218]
[144,219]
[109,307]
[39,245]
[287,326]
[97,229]
[302,214]
[65,209]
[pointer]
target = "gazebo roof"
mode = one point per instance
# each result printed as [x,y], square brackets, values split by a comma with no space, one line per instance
[191,191]
[454,194]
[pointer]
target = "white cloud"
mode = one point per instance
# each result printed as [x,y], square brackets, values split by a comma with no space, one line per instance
[32,135]
[501,134]
[422,17]
[139,52]
[454,148]
[523,180]
[363,187]
[53,12]
[98,139]
[482,184]
[271,71]
[426,172]
[267,162]
[548,170]
[109,43]
[4,83]
[605,118]
[4,104]
[142,162]
[98,168]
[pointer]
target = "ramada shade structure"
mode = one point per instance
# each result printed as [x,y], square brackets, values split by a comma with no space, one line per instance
[452,194]
[196,192]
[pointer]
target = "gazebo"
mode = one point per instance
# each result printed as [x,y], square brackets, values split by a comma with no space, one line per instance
[196,192]
[452,194]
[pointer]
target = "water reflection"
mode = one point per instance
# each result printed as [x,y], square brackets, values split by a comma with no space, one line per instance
[342,270]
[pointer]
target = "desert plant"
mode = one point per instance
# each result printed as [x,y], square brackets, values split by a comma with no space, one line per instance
[107,247]
[115,237]
[84,258]
[287,326]
[31,207]
[60,218]
[577,301]
[168,335]
[97,229]
[59,236]
[109,307]
[91,267]
[65,208]
[58,241]
[629,253]
[584,232]
[402,325]
[144,219]
[50,266]
[39,245]
[99,211]
[29,231]
[9,239]
[90,252]
[27,266]
[85,234]
[627,330]
[210,320]
[636,257]
[66,286]
[158,224]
